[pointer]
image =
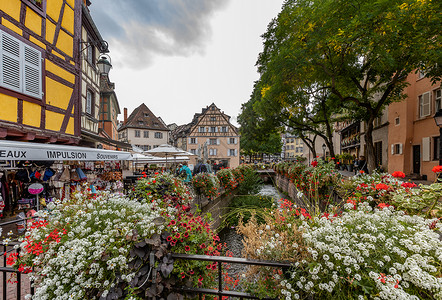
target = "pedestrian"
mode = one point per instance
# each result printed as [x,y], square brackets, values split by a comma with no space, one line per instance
[199,168]
[209,167]
[185,173]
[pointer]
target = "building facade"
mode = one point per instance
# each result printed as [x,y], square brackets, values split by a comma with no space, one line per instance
[143,129]
[92,44]
[40,70]
[210,136]
[293,146]
[412,134]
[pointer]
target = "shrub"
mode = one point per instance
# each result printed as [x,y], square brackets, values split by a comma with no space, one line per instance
[251,183]
[227,179]
[206,184]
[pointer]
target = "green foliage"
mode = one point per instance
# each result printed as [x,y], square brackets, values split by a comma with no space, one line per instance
[244,206]
[251,183]
[345,57]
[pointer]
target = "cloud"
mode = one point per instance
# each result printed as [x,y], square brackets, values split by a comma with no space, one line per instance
[143,29]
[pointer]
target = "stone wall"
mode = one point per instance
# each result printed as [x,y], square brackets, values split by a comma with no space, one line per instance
[216,207]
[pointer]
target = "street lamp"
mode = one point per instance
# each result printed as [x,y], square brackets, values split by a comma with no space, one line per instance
[323,150]
[104,64]
[438,119]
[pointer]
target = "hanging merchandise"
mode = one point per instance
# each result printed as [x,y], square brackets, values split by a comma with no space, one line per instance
[81,174]
[23,176]
[35,175]
[48,174]
[21,225]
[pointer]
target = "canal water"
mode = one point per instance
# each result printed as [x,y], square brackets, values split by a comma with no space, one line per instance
[233,240]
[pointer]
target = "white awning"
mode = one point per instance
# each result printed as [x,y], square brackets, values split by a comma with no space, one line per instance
[11,150]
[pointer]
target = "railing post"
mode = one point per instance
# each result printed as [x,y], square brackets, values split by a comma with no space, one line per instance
[4,273]
[220,278]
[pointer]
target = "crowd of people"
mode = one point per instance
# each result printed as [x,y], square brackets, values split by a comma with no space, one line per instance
[184,171]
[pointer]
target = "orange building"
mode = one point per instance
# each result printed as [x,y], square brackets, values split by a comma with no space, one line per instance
[40,70]
[413,136]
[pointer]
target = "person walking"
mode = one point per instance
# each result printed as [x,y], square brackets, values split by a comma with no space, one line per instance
[185,173]
[199,168]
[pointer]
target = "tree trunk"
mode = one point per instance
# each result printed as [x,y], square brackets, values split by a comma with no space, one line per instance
[371,159]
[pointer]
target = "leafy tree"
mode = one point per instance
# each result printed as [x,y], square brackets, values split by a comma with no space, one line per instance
[357,51]
[258,136]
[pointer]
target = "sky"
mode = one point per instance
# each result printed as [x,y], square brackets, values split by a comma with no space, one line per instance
[179,56]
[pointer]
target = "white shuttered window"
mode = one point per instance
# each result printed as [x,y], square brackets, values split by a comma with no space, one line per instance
[20,66]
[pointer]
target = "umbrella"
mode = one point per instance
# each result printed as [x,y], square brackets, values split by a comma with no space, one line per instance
[166,150]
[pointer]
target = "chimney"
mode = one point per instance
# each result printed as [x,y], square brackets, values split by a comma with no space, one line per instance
[125,115]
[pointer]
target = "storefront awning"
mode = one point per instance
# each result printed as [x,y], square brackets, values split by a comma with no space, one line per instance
[11,150]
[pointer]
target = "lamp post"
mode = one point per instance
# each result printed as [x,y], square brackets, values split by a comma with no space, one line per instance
[104,64]
[323,150]
[438,119]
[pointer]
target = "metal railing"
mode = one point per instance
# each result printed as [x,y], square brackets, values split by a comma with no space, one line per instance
[5,271]
[229,260]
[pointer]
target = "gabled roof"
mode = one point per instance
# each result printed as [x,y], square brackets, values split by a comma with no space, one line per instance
[143,118]
[212,107]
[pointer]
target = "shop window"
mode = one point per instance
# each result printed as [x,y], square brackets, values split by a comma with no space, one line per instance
[20,66]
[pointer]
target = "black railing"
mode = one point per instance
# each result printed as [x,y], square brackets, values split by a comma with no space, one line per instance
[9,294]
[228,260]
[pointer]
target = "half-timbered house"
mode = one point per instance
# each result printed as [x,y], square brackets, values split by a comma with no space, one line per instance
[92,45]
[40,70]
[210,136]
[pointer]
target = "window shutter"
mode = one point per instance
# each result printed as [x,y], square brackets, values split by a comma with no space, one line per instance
[196,140]
[217,141]
[426,104]
[10,62]
[400,148]
[216,129]
[236,152]
[426,149]
[32,72]
[216,151]
[236,141]
[190,141]
[392,149]
[228,152]
[228,141]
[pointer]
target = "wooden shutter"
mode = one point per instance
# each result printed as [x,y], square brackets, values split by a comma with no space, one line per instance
[426,149]
[32,72]
[236,141]
[425,105]
[236,152]
[217,141]
[400,148]
[228,141]
[10,62]
[392,149]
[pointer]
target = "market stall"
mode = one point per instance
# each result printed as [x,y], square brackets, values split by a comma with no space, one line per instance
[56,169]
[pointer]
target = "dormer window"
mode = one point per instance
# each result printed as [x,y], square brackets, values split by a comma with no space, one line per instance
[146,115]
[156,124]
[140,123]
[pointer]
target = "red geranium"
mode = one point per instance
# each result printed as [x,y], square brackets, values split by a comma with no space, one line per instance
[383,205]
[408,184]
[314,163]
[382,186]
[437,169]
[398,174]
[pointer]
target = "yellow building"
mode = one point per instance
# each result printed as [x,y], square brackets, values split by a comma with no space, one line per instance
[293,147]
[39,70]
